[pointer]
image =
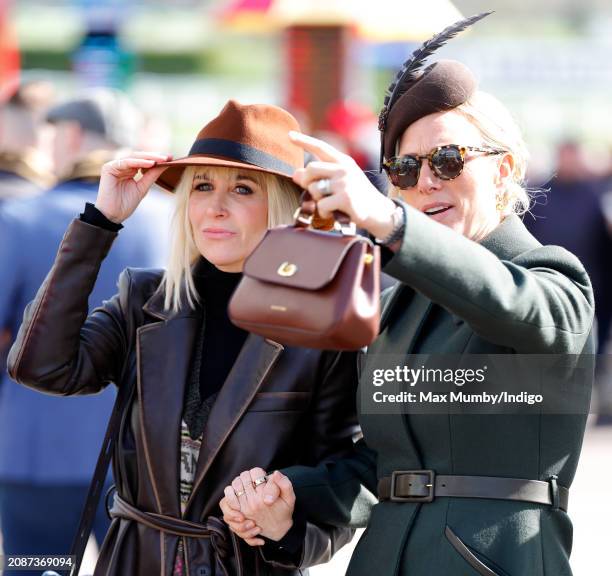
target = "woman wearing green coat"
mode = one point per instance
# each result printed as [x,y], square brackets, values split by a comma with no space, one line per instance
[458,493]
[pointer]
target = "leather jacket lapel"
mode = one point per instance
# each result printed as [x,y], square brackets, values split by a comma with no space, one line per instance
[164,351]
[164,363]
[249,371]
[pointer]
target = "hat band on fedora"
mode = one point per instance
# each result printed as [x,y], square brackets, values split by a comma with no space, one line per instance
[241,153]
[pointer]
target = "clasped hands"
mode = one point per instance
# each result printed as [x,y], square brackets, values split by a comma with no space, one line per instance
[257,504]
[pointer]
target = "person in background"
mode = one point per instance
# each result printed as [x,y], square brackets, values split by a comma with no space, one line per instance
[572,217]
[25,168]
[25,161]
[48,446]
[604,381]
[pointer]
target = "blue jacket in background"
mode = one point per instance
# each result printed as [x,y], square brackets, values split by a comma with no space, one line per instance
[46,439]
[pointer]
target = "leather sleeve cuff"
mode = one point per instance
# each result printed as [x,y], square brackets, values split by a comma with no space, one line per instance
[91,215]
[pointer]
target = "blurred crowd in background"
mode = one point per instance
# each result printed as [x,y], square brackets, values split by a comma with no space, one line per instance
[82,80]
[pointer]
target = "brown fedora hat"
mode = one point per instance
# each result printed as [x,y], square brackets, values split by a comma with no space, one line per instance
[252,136]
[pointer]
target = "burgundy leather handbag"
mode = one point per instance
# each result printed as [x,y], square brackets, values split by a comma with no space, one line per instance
[312,288]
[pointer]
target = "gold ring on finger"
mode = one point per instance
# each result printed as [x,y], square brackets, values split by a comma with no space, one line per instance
[241,493]
[259,481]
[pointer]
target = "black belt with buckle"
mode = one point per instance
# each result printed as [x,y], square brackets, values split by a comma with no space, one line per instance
[422,486]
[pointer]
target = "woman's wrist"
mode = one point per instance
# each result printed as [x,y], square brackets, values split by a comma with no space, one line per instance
[382,222]
[279,531]
[394,238]
[107,214]
[91,215]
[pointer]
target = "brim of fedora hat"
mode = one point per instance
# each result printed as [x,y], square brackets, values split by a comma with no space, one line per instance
[170,177]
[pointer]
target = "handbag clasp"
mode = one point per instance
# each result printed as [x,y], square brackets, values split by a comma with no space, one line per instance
[287,269]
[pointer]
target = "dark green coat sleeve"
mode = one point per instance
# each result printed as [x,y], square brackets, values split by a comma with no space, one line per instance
[540,301]
[337,492]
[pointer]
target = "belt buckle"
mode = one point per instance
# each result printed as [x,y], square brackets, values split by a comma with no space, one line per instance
[430,474]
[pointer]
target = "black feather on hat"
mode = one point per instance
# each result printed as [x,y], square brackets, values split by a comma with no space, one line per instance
[415,93]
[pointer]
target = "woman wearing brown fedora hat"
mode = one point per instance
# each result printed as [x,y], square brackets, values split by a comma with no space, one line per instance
[209,400]
[462,488]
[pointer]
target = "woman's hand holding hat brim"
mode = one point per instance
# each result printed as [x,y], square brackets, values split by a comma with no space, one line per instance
[121,189]
[346,188]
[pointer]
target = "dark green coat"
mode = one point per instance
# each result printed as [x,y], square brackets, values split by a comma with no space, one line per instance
[507,294]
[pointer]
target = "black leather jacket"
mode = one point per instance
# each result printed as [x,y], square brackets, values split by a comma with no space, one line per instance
[278,407]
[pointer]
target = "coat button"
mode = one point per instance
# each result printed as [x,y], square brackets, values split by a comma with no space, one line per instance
[202,571]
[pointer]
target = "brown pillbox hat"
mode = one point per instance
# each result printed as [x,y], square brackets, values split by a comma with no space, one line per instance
[417,92]
[251,136]
[442,86]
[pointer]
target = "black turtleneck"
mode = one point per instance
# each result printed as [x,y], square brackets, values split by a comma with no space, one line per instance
[222,339]
[218,344]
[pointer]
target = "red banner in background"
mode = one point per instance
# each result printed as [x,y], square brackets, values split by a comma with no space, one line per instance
[316,70]
[9,52]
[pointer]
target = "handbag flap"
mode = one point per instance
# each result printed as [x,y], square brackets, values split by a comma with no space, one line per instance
[299,257]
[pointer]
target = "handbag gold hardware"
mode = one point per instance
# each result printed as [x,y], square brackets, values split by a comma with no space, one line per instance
[304,219]
[287,269]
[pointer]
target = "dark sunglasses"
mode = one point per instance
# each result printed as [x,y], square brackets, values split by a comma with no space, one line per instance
[446,162]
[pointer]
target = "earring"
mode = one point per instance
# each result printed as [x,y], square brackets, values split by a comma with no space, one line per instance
[500,202]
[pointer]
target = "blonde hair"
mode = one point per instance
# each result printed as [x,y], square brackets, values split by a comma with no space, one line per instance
[178,283]
[499,130]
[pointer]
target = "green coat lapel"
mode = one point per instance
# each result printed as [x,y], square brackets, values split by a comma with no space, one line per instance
[399,336]
[390,433]
[510,239]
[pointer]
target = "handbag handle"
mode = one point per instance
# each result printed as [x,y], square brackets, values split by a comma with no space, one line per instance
[307,216]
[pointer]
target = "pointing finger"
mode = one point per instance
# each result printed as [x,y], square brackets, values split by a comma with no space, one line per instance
[322,150]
